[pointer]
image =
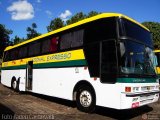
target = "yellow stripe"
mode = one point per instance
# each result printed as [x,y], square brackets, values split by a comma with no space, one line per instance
[103,15]
[158,70]
[57,57]
[156,51]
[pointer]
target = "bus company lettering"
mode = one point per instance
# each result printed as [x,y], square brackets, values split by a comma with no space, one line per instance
[62,56]
[38,59]
[5,64]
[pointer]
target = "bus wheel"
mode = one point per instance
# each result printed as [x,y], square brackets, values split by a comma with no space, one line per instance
[14,84]
[85,99]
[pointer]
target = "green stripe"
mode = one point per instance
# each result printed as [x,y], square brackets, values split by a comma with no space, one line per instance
[60,64]
[14,67]
[136,80]
[50,65]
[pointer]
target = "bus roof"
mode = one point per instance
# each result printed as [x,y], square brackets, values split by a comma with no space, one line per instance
[103,15]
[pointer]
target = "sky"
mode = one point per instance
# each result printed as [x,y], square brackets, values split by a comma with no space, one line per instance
[17,15]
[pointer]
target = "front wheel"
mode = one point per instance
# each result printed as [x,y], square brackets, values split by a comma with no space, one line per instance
[85,99]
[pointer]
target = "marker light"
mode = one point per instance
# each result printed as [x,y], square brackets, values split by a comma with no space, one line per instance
[127,89]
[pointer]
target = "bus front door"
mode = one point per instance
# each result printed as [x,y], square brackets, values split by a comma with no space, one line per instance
[29,76]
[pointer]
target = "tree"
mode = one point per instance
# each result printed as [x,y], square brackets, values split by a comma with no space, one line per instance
[92,13]
[17,40]
[55,24]
[32,31]
[154,27]
[77,17]
[4,38]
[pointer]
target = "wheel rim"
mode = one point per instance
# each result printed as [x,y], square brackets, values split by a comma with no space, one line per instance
[85,98]
[14,84]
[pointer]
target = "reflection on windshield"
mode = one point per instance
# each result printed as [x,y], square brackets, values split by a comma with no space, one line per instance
[136,59]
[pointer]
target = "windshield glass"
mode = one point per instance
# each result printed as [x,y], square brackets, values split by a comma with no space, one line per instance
[136,58]
[136,32]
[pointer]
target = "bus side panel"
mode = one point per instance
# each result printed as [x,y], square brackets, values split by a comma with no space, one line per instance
[22,77]
[60,82]
[57,82]
[7,76]
[108,95]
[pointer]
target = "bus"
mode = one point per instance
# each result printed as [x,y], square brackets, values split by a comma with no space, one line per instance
[99,61]
[157,53]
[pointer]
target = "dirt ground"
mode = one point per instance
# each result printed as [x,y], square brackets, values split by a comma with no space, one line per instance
[26,106]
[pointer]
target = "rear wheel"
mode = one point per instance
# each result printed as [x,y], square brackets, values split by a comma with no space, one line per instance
[85,99]
[14,84]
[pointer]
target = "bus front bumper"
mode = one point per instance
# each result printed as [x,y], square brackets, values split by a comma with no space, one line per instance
[133,100]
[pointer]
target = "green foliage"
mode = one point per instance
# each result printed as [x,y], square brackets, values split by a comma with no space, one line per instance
[154,27]
[92,13]
[80,16]
[77,17]
[4,38]
[32,31]
[55,24]
[17,40]
[58,22]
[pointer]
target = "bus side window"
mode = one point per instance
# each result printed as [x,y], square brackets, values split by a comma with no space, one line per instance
[72,39]
[6,56]
[45,46]
[14,54]
[23,52]
[54,44]
[34,49]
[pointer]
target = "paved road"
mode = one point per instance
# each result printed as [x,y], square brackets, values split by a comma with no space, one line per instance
[33,106]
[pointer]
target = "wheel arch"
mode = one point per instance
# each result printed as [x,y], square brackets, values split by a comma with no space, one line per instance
[81,83]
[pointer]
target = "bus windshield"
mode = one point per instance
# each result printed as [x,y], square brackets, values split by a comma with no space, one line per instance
[134,31]
[136,58]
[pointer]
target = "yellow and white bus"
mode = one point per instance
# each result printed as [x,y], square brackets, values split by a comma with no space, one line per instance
[157,53]
[103,60]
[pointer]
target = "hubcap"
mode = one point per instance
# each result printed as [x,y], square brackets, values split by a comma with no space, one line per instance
[85,98]
[14,84]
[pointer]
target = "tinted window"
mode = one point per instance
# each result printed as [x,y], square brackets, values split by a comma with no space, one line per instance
[108,62]
[99,30]
[22,52]
[14,54]
[34,49]
[77,39]
[92,54]
[45,46]
[72,39]
[6,56]
[50,45]
[136,32]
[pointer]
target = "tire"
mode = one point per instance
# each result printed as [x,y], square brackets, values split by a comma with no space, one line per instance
[17,87]
[86,99]
[14,84]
